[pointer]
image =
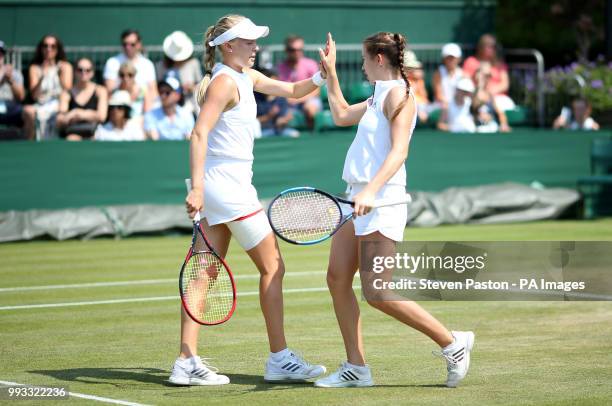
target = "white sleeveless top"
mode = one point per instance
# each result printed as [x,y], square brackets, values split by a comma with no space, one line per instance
[449,83]
[372,143]
[234,134]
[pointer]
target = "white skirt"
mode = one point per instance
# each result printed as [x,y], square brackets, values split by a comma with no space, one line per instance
[390,221]
[228,192]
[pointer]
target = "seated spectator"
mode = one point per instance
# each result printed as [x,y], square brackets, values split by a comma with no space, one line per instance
[142,99]
[458,117]
[297,67]
[488,116]
[119,126]
[84,106]
[446,77]
[169,121]
[273,113]
[578,117]
[49,75]
[486,51]
[12,92]
[132,51]
[178,51]
[414,69]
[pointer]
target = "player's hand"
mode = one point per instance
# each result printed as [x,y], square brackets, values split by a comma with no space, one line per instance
[364,202]
[328,56]
[194,202]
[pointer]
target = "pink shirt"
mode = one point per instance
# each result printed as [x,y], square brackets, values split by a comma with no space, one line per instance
[304,69]
[471,65]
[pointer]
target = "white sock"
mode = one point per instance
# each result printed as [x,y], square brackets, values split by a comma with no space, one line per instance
[362,369]
[451,346]
[277,356]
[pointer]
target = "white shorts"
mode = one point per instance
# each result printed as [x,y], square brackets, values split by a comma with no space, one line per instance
[251,230]
[390,221]
[228,192]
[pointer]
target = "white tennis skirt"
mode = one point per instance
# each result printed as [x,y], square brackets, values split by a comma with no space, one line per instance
[390,221]
[228,191]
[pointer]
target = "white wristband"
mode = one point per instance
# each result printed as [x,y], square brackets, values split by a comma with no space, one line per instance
[317,79]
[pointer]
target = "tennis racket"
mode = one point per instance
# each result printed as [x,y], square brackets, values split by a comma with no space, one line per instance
[206,283]
[305,215]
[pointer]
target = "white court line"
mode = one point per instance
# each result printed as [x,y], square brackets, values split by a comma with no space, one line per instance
[145,299]
[137,282]
[79,395]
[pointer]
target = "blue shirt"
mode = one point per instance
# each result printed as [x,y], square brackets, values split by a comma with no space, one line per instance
[176,128]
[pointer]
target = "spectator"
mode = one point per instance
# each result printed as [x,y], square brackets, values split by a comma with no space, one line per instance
[446,77]
[142,100]
[578,117]
[169,121]
[273,113]
[297,67]
[119,126]
[417,84]
[84,106]
[132,51]
[484,106]
[49,74]
[458,117]
[178,51]
[486,51]
[12,92]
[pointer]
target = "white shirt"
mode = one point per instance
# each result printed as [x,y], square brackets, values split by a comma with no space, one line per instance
[234,134]
[372,142]
[131,132]
[145,70]
[460,119]
[449,82]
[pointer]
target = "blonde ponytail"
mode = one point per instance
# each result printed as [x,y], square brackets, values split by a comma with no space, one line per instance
[222,25]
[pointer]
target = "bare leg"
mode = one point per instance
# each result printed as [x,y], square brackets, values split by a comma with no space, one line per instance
[340,272]
[267,258]
[406,311]
[29,122]
[219,237]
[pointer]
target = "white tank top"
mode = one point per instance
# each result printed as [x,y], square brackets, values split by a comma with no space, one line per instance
[372,143]
[449,82]
[233,135]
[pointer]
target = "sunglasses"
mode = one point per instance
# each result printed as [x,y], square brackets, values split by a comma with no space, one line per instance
[165,92]
[50,46]
[84,70]
[129,44]
[295,49]
[126,75]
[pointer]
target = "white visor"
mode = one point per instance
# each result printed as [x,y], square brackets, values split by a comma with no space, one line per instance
[245,29]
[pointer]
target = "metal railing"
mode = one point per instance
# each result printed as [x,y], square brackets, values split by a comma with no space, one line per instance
[526,66]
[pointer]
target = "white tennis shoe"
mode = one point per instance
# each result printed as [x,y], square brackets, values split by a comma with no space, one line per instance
[457,357]
[195,371]
[347,376]
[292,367]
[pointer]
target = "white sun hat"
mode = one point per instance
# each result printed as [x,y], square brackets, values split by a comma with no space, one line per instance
[120,98]
[466,85]
[245,29]
[451,49]
[178,46]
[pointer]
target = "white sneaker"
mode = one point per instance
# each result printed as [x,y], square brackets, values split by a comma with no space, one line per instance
[346,376]
[291,367]
[457,357]
[195,371]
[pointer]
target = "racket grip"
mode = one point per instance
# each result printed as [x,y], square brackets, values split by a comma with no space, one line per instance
[196,218]
[393,201]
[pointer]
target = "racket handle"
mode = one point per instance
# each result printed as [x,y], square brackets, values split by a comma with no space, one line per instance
[393,201]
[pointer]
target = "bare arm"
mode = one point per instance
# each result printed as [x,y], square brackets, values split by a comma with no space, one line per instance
[400,138]
[437,88]
[17,89]
[221,95]
[342,113]
[102,109]
[35,79]
[65,75]
[263,84]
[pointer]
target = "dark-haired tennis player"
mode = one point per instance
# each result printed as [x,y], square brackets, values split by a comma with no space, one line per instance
[374,169]
[221,160]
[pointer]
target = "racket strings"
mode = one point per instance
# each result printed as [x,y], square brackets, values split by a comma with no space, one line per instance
[207,288]
[304,216]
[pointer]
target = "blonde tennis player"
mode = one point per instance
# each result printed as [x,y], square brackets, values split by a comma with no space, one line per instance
[374,169]
[221,158]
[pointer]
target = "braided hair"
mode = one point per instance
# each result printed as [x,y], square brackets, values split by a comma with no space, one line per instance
[392,46]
